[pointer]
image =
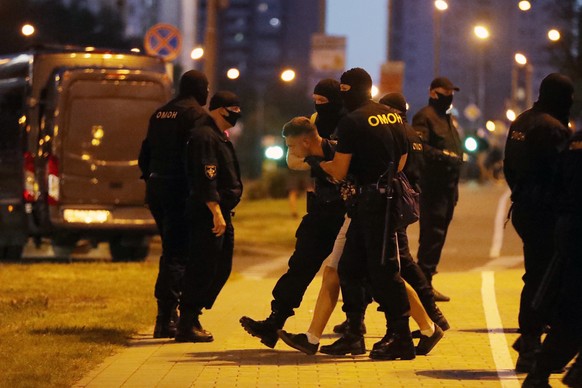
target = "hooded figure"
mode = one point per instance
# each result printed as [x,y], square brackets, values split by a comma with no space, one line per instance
[556,97]
[356,88]
[194,84]
[535,139]
[330,112]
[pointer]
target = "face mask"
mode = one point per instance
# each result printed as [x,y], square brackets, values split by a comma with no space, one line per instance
[353,99]
[442,103]
[232,117]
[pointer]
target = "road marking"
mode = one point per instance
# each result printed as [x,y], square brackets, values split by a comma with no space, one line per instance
[499,347]
[502,262]
[498,226]
[262,269]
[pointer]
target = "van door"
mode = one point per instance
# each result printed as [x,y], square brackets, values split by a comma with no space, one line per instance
[13,174]
[102,117]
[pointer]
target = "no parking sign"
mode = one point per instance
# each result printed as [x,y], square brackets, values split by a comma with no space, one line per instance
[164,40]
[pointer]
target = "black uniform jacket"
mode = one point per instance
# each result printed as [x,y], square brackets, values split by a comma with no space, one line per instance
[162,152]
[568,185]
[415,160]
[533,143]
[374,135]
[438,134]
[212,167]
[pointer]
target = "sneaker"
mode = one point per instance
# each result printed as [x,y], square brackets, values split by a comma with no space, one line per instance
[426,343]
[299,342]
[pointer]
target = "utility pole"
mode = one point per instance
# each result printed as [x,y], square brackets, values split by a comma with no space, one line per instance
[210,43]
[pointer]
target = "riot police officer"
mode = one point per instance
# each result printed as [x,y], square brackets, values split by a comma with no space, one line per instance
[371,142]
[215,188]
[565,337]
[161,161]
[534,141]
[439,182]
[316,233]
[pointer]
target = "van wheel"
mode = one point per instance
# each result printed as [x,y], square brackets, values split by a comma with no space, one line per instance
[11,252]
[125,249]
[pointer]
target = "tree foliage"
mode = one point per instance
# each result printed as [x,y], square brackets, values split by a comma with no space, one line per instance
[567,52]
[58,24]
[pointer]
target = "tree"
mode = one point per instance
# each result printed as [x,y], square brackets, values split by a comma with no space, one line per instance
[567,51]
[58,24]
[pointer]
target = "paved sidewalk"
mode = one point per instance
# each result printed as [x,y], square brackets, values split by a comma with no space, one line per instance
[470,355]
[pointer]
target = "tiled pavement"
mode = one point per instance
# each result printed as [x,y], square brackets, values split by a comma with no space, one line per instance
[470,355]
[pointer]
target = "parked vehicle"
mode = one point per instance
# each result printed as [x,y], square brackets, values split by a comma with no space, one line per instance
[71,125]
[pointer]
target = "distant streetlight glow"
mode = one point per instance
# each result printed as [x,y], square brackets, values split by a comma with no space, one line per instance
[510,114]
[274,152]
[481,32]
[520,59]
[554,35]
[27,30]
[471,144]
[288,75]
[524,5]
[441,5]
[233,73]
[197,53]
[135,50]
[374,91]
[490,125]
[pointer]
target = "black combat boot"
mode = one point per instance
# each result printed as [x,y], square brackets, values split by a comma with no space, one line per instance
[397,343]
[265,330]
[352,341]
[190,329]
[528,346]
[342,328]
[537,377]
[166,320]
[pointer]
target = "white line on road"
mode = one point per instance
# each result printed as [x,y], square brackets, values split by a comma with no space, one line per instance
[499,347]
[497,242]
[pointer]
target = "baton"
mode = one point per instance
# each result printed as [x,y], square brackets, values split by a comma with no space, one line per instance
[390,177]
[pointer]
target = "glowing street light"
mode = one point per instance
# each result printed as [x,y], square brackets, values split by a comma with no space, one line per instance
[520,59]
[27,30]
[374,91]
[490,125]
[481,32]
[554,35]
[524,5]
[197,53]
[510,114]
[233,73]
[441,5]
[288,75]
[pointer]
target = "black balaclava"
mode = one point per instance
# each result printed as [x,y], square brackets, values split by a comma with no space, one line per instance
[328,114]
[224,99]
[360,84]
[395,101]
[441,104]
[556,97]
[194,84]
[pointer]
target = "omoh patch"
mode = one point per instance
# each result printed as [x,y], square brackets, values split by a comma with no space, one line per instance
[210,171]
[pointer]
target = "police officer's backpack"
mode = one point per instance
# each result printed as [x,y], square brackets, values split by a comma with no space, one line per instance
[405,206]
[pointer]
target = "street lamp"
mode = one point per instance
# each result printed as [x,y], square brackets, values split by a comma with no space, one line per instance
[440,6]
[27,30]
[524,5]
[233,73]
[521,65]
[482,33]
[197,53]
[288,75]
[554,35]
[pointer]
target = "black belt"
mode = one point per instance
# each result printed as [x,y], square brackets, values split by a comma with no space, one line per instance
[371,189]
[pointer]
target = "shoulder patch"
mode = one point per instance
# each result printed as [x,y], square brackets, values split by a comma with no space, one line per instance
[210,171]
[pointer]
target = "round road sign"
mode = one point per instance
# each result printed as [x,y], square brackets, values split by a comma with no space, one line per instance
[164,40]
